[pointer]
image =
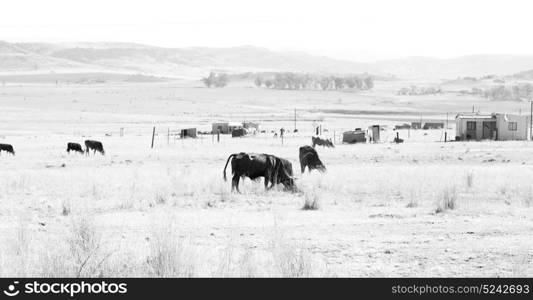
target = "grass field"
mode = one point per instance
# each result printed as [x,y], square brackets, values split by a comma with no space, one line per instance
[421,208]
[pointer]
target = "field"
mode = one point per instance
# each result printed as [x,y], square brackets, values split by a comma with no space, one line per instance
[421,208]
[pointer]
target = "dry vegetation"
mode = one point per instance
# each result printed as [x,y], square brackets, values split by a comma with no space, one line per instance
[421,208]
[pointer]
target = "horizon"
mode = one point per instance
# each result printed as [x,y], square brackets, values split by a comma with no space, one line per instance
[358,31]
[303,51]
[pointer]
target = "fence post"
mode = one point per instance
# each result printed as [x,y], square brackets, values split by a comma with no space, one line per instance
[153,135]
[445,136]
[168,136]
[218,136]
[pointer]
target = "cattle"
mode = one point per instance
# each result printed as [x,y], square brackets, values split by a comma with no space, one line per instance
[321,142]
[95,146]
[7,148]
[309,158]
[74,147]
[273,169]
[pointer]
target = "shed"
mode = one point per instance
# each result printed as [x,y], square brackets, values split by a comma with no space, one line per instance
[416,125]
[433,125]
[352,137]
[188,132]
[239,132]
[375,133]
[220,127]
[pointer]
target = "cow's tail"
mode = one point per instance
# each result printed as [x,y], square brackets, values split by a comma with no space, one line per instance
[227,161]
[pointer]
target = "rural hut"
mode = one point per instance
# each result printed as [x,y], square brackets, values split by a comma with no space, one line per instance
[375,133]
[433,125]
[352,137]
[416,125]
[222,128]
[239,132]
[188,133]
[500,127]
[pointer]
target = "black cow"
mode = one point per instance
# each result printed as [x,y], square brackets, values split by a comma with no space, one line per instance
[321,142]
[7,148]
[275,170]
[95,146]
[309,158]
[74,147]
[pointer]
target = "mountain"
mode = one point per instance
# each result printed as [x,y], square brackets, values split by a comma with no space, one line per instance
[194,62]
[468,65]
[173,62]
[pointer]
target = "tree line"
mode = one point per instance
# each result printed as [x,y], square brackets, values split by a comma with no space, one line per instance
[415,90]
[518,92]
[296,81]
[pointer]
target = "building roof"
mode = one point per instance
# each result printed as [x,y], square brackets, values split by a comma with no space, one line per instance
[474,116]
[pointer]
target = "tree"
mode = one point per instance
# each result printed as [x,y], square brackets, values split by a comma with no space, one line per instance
[258,81]
[209,80]
[216,80]
[268,83]
[369,83]
[339,83]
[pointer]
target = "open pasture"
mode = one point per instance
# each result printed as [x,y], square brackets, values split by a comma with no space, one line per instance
[421,208]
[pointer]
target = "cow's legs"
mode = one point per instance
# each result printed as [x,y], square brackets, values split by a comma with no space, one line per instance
[235,183]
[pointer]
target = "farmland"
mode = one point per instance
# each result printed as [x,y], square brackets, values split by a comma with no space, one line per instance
[421,208]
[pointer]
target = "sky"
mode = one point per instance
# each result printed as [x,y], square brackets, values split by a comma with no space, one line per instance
[356,30]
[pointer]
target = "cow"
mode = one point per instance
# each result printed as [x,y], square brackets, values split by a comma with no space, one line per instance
[7,148]
[95,146]
[309,158]
[321,142]
[275,170]
[74,147]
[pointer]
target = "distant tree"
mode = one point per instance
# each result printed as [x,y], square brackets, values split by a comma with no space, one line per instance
[325,83]
[339,83]
[268,83]
[369,83]
[216,79]
[209,80]
[221,80]
[258,81]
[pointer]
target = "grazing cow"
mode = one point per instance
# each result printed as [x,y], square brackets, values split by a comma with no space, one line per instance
[275,170]
[95,146]
[7,148]
[74,147]
[309,158]
[321,142]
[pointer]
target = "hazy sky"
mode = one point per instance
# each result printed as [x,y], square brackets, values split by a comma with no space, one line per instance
[357,30]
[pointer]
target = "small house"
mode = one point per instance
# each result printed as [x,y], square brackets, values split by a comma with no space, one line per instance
[375,132]
[501,127]
[402,126]
[188,133]
[352,137]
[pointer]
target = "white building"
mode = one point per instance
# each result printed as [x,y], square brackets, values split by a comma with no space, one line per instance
[501,127]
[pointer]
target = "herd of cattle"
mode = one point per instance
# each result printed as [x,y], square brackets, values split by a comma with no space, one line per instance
[275,170]
[96,146]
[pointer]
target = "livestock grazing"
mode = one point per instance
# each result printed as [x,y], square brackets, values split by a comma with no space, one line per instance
[74,147]
[8,148]
[321,142]
[273,169]
[95,146]
[309,158]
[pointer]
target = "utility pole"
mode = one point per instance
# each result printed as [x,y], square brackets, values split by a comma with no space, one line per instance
[295,120]
[531,120]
